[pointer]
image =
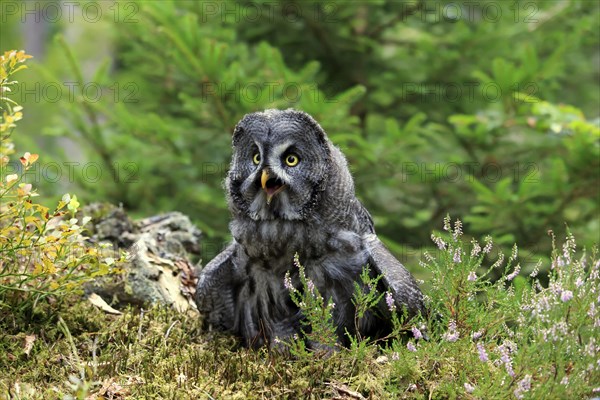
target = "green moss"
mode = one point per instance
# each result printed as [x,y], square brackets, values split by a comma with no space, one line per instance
[158,353]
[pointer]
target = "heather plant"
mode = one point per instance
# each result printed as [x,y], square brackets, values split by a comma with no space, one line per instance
[318,328]
[43,252]
[514,337]
[366,297]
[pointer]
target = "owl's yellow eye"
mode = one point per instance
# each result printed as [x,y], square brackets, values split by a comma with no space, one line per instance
[291,160]
[256,158]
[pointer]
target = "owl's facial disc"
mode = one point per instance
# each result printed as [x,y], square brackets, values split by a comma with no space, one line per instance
[271,185]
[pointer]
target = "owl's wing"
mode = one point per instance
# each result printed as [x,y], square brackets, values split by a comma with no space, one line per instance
[215,291]
[395,276]
[364,218]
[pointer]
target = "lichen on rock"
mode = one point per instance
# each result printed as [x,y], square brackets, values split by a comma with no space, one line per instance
[159,267]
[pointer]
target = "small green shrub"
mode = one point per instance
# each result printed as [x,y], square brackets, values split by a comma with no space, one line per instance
[507,338]
[487,337]
[318,327]
[43,254]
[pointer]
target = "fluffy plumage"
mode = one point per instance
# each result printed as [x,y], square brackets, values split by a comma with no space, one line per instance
[290,191]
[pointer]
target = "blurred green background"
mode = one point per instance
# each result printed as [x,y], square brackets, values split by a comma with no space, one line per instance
[486,110]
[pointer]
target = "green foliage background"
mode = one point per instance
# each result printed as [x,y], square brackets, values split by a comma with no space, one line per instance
[485,110]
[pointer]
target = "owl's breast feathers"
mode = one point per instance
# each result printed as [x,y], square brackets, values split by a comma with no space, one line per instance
[312,238]
[332,256]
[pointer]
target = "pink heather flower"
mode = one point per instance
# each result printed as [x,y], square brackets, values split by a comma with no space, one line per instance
[472,276]
[505,358]
[482,353]
[579,282]
[389,300]
[438,242]
[514,274]
[310,285]
[428,257]
[457,229]
[488,244]
[476,248]
[452,335]
[469,388]
[477,335]
[447,223]
[416,333]
[297,260]
[515,252]
[499,261]
[523,386]
[566,295]
[569,247]
[287,282]
[536,270]
[509,369]
[411,347]
[457,257]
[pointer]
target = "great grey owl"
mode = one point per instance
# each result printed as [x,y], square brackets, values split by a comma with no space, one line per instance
[289,191]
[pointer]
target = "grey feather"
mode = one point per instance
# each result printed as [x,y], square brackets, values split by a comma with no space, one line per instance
[395,276]
[281,207]
[215,292]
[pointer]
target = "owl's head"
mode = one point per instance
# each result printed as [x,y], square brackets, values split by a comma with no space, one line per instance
[280,165]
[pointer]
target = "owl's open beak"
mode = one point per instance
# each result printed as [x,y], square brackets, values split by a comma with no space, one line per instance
[271,185]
